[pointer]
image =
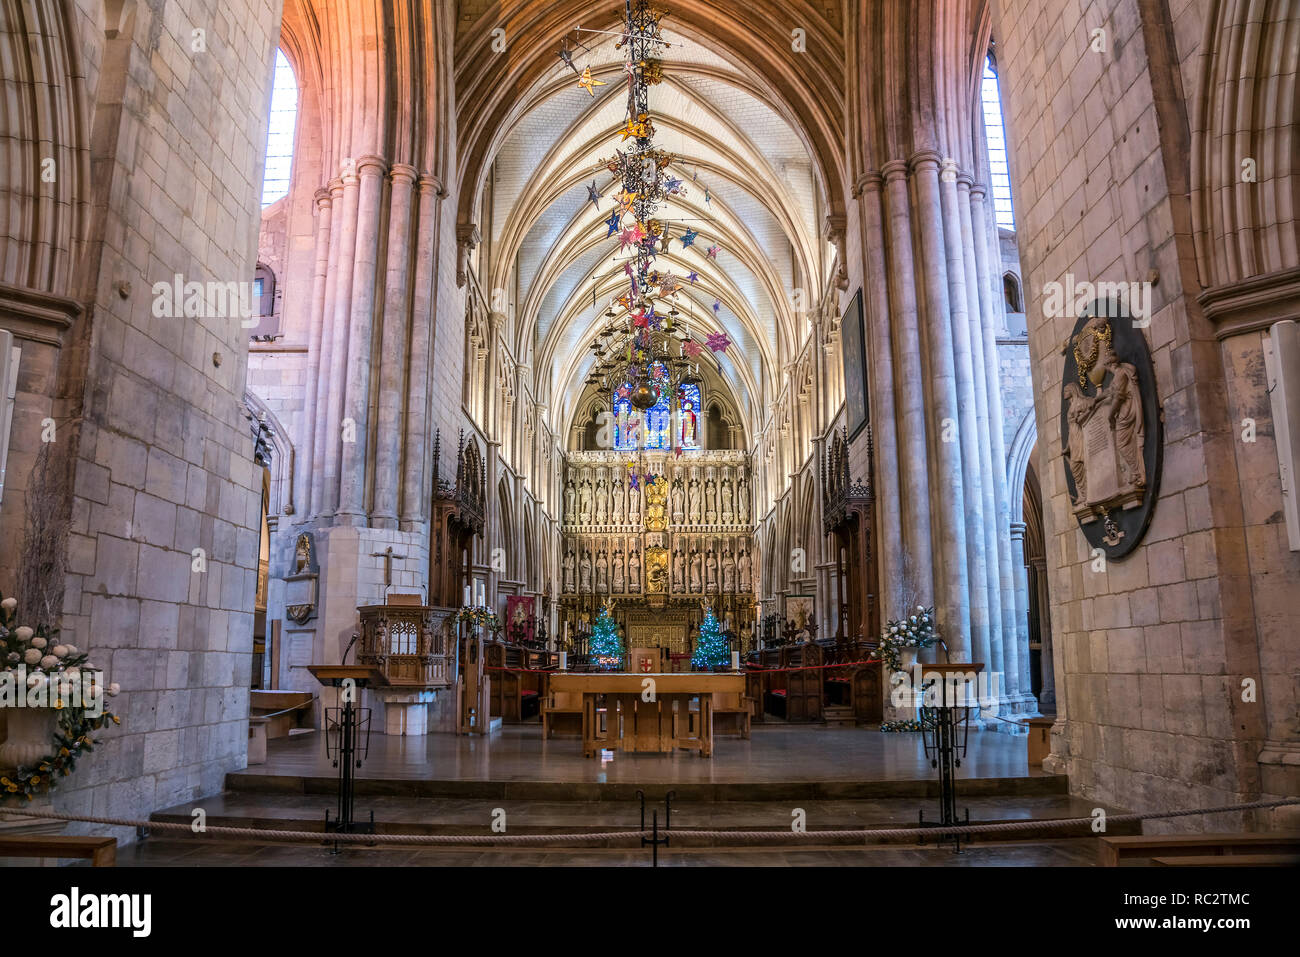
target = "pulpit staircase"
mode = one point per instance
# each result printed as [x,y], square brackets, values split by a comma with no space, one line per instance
[839,716]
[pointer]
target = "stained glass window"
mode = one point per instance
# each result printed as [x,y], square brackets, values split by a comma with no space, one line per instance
[654,428]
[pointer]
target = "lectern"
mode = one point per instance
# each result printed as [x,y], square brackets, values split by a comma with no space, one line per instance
[949,690]
[349,729]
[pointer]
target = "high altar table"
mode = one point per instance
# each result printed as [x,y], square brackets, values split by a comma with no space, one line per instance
[632,724]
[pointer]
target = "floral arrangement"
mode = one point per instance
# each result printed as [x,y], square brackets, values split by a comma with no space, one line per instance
[479,617]
[50,668]
[916,631]
[909,724]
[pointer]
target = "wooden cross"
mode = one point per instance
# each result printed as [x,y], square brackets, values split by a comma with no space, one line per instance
[388,556]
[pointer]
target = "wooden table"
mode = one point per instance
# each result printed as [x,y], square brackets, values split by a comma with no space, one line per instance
[633,724]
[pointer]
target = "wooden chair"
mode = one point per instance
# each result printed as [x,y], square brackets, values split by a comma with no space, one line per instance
[100,851]
[562,711]
[731,713]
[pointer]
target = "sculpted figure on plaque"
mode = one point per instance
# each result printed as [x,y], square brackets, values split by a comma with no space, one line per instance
[693,501]
[679,572]
[584,503]
[602,501]
[742,501]
[634,504]
[678,496]
[585,574]
[634,571]
[712,566]
[617,494]
[728,571]
[568,502]
[618,572]
[568,571]
[602,571]
[728,502]
[697,571]
[711,501]
[744,571]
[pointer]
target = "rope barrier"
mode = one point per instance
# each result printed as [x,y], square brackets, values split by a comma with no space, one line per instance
[746,669]
[865,834]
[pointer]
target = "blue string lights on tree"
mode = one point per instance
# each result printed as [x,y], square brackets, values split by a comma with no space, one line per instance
[711,649]
[606,647]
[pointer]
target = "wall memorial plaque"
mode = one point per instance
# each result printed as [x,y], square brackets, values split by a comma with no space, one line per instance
[1111,429]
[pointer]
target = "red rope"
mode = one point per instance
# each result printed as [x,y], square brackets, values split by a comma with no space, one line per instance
[749,670]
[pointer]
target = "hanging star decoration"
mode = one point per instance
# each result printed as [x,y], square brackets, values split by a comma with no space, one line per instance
[689,237]
[664,240]
[717,341]
[624,391]
[593,194]
[669,285]
[708,198]
[614,222]
[674,187]
[626,238]
[713,252]
[717,305]
[588,82]
[625,200]
[691,347]
[694,277]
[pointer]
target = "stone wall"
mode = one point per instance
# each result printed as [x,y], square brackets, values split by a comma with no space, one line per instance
[1152,651]
[165,457]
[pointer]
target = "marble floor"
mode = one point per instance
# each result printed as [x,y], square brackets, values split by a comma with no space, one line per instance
[773,754]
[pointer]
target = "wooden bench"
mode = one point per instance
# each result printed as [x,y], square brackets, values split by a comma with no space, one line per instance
[732,713]
[100,851]
[288,712]
[1112,851]
[1229,860]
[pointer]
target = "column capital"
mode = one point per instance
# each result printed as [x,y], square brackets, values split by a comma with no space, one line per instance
[323,197]
[1018,531]
[978,190]
[371,165]
[925,160]
[894,170]
[428,182]
[871,180]
[402,171]
[335,187]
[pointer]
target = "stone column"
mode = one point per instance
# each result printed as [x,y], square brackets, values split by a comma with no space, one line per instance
[1017,638]
[970,430]
[1021,594]
[352,474]
[324,496]
[339,359]
[306,461]
[948,495]
[392,357]
[880,358]
[914,481]
[991,527]
[417,489]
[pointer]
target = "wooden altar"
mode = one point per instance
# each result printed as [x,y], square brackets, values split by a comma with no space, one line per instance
[628,723]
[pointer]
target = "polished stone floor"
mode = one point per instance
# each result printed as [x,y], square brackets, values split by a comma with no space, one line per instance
[773,754]
[180,853]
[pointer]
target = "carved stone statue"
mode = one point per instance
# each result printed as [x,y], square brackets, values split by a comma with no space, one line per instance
[1106,431]
[634,504]
[679,572]
[585,575]
[618,505]
[568,571]
[617,579]
[728,572]
[602,501]
[634,571]
[728,502]
[711,564]
[602,571]
[711,501]
[584,503]
[744,571]
[742,501]
[693,501]
[568,502]
[678,496]
[697,571]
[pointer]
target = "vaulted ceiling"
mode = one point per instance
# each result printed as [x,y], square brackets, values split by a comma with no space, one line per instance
[753,188]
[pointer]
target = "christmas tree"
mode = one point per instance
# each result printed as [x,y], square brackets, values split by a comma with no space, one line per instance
[606,648]
[711,650]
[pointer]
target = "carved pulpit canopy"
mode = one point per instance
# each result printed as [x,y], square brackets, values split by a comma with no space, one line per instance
[1111,428]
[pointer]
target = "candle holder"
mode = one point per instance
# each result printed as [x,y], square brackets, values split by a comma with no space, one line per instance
[946,691]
